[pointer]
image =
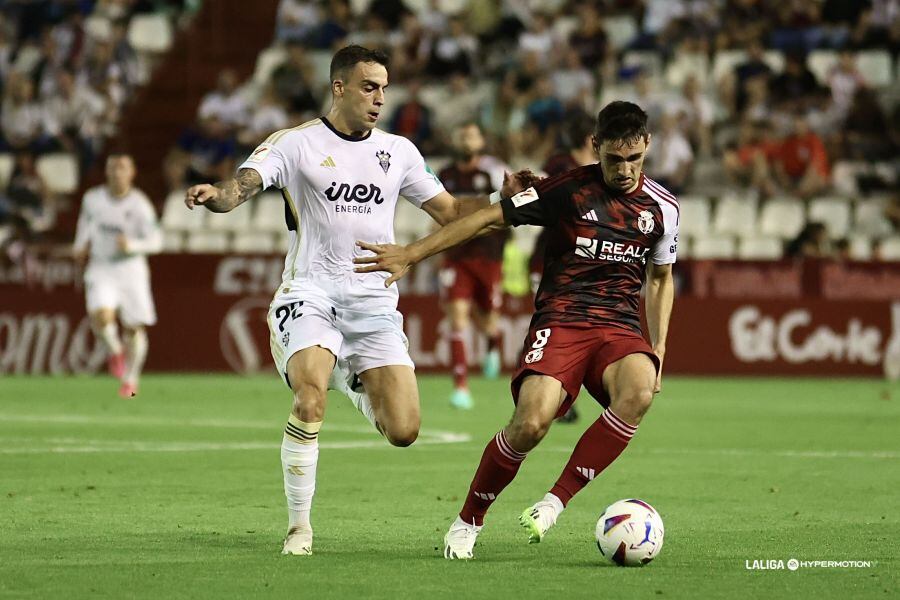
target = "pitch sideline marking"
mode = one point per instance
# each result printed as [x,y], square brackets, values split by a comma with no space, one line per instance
[77,445]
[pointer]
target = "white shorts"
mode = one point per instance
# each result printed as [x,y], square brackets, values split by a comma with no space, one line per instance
[121,288]
[306,317]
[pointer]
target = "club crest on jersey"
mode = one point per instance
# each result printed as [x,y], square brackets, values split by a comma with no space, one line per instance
[645,222]
[384,159]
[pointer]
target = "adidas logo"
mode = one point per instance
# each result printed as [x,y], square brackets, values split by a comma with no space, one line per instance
[485,496]
[328,162]
[590,216]
[295,470]
[588,474]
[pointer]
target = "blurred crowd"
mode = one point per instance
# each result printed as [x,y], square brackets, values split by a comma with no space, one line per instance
[67,68]
[786,98]
[758,95]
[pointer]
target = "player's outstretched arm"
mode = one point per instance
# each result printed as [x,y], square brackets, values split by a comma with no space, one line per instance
[446,208]
[397,260]
[658,301]
[225,195]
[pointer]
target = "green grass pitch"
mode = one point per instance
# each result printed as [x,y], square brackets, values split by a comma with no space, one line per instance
[178,494]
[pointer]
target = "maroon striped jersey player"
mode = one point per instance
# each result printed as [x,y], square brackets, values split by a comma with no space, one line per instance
[612,231]
[598,245]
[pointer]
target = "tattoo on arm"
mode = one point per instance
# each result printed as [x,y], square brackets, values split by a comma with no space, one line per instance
[234,192]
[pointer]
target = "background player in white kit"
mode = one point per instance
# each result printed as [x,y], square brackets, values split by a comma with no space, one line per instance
[117,228]
[340,179]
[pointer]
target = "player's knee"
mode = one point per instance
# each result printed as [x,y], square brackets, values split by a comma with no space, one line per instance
[309,402]
[527,432]
[403,435]
[633,404]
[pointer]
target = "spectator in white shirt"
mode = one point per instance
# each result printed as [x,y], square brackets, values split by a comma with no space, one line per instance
[226,102]
[268,115]
[21,122]
[73,116]
[672,158]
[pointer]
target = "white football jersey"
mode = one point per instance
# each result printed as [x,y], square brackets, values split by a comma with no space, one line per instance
[103,217]
[338,190]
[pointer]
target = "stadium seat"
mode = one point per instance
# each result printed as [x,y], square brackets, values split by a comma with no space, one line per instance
[150,33]
[282,241]
[564,25]
[713,247]
[249,242]
[760,248]
[869,219]
[889,249]
[725,61]
[686,64]
[650,62]
[7,162]
[207,242]
[98,27]
[694,215]
[860,247]
[782,217]
[321,63]
[620,30]
[438,162]
[735,215]
[238,219]
[775,60]
[820,63]
[177,217]
[875,67]
[173,241]
[59,171]
[685,246]
[266,63]
[833,212]
[269,213]
[410,223]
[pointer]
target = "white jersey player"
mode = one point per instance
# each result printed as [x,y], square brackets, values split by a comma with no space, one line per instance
[117,228]
[340,179]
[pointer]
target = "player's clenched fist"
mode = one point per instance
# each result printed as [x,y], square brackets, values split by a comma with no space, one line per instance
[200,194]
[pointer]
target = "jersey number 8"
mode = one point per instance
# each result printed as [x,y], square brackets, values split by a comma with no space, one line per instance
[542,336]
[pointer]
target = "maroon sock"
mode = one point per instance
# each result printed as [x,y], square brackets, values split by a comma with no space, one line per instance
[494,342]
[458,359]
[498,467]
[598,447]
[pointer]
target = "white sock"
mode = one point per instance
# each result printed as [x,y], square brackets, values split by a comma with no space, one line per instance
[340,381]
[137,354]
[555,502]
[109,333]
[299,457]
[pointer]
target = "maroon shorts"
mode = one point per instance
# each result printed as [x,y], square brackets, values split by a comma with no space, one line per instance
[478,280]
[577,356]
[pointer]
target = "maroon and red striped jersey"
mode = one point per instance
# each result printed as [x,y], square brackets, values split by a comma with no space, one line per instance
[599,241]
[473,181]
[555,165]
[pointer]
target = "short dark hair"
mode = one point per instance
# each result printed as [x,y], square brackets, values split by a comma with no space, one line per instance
[576,129]
[623,122]
[347,57]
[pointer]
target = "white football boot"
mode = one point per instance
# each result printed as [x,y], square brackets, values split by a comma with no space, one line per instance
[298,541]
[538,518]
[460,540]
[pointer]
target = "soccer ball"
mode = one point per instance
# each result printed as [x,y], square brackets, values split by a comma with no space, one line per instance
[630,533]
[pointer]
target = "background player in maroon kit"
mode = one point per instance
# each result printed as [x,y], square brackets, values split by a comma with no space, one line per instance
[611,228]
[473,272]
[578,144]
